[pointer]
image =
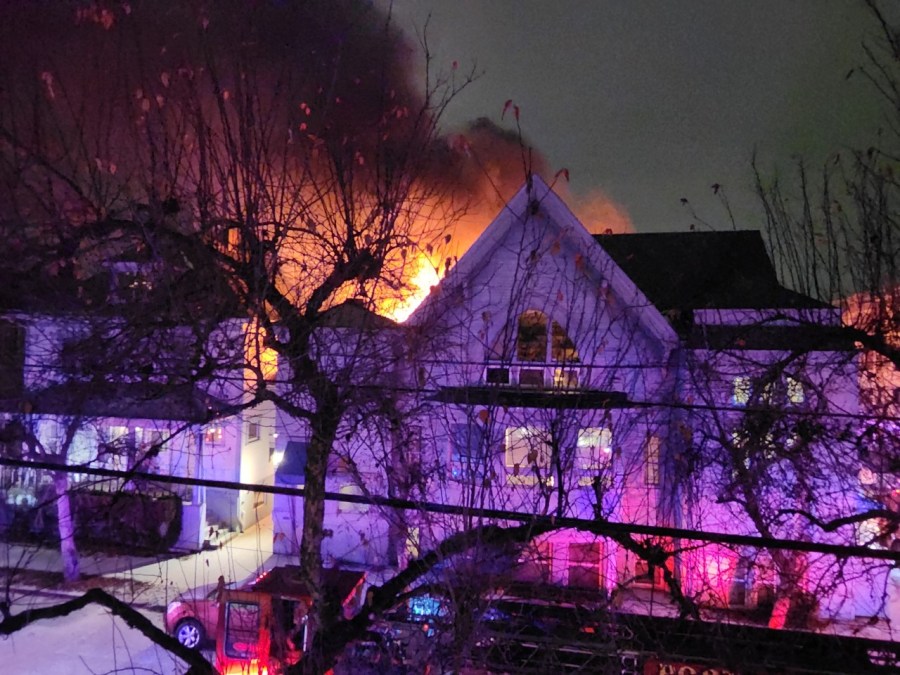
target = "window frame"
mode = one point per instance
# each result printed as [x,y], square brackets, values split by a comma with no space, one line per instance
[543,450]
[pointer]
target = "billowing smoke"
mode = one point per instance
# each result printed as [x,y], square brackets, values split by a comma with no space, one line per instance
[321,69]
[493,163]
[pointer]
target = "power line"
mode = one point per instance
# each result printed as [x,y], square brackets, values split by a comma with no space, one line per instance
[602,528]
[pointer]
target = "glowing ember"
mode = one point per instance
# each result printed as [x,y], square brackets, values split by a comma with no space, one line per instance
[422,279]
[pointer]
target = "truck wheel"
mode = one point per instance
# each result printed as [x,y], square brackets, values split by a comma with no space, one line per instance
[189,632]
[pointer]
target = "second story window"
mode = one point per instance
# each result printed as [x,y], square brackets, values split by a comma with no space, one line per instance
[526,449]
[212,434]
[562,349]
[778,390]
[741,390]
[593,449]
[468,452]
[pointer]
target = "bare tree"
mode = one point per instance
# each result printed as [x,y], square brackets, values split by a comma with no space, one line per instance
[286,147]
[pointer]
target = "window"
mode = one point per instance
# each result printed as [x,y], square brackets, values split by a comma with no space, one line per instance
[740,586]
[565,378]
[535,564]
[412,450]
[741,390]
[253,429]
[562,349]
[651,461]
[413,543]
[795,393]
[268,364]
[775,391]
[151,438]
[531,344]
[593,449]
[584,565]
[351,507]
[497,376]
[241,630]
[467,450]
[643,575]
[526,448]
[531,377]
[212,434]
[118,438]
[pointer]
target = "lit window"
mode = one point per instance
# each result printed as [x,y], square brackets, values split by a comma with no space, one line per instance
[742,388]
[651,461]
[565,378]
[212,434]
[795,391]
[413,543]
[593,449]
[526,447]
[116,434]
[268,363]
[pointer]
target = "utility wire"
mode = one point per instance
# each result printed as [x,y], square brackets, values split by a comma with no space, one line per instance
[599,527]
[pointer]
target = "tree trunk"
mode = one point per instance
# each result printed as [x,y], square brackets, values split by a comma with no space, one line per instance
[324,432]
[67,548]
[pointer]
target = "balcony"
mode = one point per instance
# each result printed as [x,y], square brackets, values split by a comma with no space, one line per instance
[538,376]
[535,385]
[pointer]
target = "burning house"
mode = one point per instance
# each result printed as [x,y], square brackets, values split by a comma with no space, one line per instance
[656,379]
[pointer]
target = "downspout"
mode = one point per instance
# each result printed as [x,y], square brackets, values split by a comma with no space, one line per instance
[675,447]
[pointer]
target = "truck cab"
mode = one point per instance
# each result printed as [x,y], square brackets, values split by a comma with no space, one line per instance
[262,630]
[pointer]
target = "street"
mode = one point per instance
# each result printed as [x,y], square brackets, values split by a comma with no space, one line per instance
[92,641]
[88,642]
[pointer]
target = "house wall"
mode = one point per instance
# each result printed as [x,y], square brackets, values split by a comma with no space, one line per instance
[188,450]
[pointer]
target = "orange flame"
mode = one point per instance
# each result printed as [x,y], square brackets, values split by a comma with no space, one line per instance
[424,276]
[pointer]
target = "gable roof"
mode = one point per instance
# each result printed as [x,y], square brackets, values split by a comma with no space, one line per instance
[133,400]
[353,313]
[534,199]
[703,270]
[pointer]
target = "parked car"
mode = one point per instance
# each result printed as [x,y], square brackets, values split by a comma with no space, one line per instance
[192,617]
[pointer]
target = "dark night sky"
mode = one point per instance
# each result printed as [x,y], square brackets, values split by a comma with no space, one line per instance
[648,101]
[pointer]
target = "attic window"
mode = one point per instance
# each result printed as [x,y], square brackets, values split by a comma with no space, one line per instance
[531,344]
[562,349]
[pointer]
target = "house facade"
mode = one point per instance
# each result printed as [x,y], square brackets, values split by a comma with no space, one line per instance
[647,379]
[89,382]
[654,379]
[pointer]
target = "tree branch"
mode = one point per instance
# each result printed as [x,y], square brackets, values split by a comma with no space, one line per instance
[133,618]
